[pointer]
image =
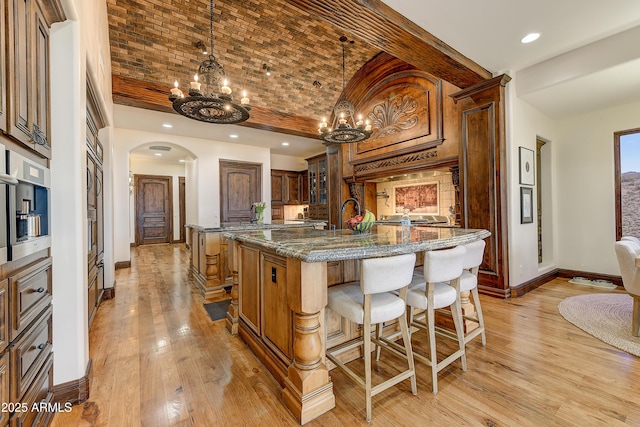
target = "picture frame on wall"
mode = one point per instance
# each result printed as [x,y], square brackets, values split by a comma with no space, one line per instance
[526,205]
[420,198]
[527,167]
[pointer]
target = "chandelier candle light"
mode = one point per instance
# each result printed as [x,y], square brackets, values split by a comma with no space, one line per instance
[210,107]
[344,128]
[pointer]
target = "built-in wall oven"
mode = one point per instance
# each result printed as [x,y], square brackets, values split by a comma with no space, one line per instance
[28,206]
[6,180]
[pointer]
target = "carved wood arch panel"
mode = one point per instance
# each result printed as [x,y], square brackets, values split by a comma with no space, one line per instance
[405,111]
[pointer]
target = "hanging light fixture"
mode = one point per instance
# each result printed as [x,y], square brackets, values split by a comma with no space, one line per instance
[345,128]
[214,104]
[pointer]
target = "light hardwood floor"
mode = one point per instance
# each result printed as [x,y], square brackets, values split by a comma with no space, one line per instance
[159,360]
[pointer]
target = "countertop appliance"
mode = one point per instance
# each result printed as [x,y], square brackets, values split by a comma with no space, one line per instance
[28,206]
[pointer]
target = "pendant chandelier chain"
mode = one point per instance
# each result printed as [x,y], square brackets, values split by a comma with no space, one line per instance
[211,27]
[212,103]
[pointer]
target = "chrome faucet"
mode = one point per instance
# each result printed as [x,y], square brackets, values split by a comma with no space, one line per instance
[355,202]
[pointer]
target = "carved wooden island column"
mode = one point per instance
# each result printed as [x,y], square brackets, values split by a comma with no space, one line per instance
[279,308]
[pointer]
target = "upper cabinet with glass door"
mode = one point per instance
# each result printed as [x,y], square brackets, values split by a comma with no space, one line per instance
[27,70]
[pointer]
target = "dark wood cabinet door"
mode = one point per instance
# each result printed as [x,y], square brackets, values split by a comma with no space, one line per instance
[277,187]
[153,209]
[293,187]
[3,70]
[20,70]
[240,187]
[91,211]
[40,129]
[304,186]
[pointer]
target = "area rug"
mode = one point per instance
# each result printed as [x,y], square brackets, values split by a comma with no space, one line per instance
[217,310]
[605,316]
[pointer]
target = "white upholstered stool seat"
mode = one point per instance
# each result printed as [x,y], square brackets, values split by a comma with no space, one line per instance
[348,301]
[372,301]
[429,292]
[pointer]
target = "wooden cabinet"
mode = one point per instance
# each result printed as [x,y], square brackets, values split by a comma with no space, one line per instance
[4,387]
[249,296]
[3,80]
[304,186]
[30,292]
[4,315]
[277,213]
[28,56]
[95,204]
[318,187]
[277,321]
[277,186]
[292,185]
[286,187]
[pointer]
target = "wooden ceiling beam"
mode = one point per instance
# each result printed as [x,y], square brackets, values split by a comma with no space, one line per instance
[379,25]
[151,96]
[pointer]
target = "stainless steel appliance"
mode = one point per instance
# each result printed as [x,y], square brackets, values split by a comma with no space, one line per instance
[28,206]
[5,181]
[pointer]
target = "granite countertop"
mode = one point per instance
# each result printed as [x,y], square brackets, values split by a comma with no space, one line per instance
[311,245]
[248,226]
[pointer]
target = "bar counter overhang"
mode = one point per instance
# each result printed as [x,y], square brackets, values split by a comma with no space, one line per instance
[279,296]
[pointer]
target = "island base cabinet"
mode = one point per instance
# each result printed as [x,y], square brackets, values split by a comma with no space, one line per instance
[249,295]
[276,319]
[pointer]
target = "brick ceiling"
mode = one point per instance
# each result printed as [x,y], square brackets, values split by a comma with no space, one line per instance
[155,41]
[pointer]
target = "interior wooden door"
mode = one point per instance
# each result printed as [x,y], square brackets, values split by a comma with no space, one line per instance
[153,209]
[240,187]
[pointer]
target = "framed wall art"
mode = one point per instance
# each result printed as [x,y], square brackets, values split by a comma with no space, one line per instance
[526,205]
[527,174]
[418,198]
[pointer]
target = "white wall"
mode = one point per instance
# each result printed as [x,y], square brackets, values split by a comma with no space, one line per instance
[202,179]
[524,125]
[578,189]
[585,181]
[288,163]
[139,166]
[78,46]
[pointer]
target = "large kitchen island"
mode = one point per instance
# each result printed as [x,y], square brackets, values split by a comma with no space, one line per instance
[280,280]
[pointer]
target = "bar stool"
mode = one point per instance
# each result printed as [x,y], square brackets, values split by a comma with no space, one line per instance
[429,292]
[469,283]
[368,302]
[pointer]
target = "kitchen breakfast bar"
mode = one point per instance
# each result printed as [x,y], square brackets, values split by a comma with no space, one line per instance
[279,294]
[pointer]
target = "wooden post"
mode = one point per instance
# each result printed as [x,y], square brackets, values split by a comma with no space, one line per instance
[232,314]
[308,391]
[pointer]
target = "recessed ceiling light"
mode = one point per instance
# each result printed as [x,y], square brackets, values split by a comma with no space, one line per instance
[531,37]
[182,160]
[233,135]
[158,154]
[167,125]
[285,143]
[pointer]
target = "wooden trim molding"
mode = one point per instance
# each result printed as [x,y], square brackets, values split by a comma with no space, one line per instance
[568,274]
[536,282]
[109,293]
[123,264]
[76,391]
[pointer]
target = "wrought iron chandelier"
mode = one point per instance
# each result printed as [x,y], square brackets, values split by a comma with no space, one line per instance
[214,104]
[345,128]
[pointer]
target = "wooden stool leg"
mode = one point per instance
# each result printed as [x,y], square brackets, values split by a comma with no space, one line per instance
[635,328]
[457,320]
[432,347]
[476,302]
[367,354]
[406,338]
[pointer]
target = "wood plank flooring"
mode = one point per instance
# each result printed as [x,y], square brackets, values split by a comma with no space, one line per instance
[158,360]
